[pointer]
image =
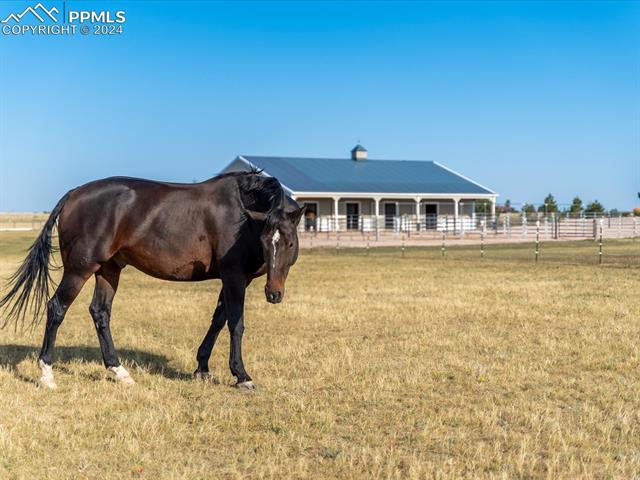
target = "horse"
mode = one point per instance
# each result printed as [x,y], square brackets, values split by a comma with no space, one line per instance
[234,227]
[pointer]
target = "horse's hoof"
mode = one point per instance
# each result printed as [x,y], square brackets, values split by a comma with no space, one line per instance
[248,385]
[48,383]
[46,379]
[122,375]
[127,380]
[198,375]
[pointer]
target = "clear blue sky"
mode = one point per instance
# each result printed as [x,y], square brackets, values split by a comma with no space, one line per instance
[526,98]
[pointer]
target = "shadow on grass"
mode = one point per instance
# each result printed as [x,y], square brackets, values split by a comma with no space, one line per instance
[12,355]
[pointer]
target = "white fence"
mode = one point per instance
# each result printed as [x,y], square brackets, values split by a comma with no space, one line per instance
[512,225]
[507,226]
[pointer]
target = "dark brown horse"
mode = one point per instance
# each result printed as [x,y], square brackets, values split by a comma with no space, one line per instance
[235,227]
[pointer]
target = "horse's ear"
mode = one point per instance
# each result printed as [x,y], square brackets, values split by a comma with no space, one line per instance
[296,215]
[257,216]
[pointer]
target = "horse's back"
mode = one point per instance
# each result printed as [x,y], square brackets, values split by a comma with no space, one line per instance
[165,229]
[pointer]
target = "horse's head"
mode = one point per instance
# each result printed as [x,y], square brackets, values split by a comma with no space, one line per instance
[279,241]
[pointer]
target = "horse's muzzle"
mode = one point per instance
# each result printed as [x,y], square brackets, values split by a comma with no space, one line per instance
[273,296]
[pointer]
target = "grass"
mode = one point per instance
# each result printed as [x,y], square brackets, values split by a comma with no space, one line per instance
[373,367]
[615,252]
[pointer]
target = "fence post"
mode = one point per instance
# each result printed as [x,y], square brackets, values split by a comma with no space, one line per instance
[524,224]
[620,227]
[537,239]
[482,239]
[600,245]
[635,227]
[443,240]
[402,246]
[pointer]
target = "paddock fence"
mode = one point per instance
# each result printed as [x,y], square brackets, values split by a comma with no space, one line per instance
[368,228]
[604,239]
[512,227]
[22,222]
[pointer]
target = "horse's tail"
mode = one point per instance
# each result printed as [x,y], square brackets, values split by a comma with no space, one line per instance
[32,276]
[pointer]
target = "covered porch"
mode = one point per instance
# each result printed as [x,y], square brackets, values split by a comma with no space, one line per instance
[393,212]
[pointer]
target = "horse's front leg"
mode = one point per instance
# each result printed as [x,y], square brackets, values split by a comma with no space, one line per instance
[234,292]
[204,352]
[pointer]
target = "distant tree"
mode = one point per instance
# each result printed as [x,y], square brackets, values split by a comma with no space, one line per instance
[528,208]
[576,205]
[549,205]
[594,207]
[504,208]
[483,206]
[614,212]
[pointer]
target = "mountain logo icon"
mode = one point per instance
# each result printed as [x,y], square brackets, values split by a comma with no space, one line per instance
[39,11]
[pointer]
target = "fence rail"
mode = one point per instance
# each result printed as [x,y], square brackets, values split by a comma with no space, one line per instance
[22,221]
[431,227]
[477,226]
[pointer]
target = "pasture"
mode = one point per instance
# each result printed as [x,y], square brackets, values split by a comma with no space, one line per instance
[374,366]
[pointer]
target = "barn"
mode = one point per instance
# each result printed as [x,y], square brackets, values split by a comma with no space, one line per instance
[358,193]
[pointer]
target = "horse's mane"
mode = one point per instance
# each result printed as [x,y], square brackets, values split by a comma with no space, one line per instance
[258,192]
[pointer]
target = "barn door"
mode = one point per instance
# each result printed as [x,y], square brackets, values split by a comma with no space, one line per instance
[390,214]
[353,215]
[430,215]
[310,216]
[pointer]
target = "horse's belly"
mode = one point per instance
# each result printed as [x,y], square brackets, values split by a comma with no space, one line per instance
[167,265]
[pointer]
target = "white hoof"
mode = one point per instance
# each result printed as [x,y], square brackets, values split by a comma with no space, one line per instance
[122,375]
[46,379]
[248,385]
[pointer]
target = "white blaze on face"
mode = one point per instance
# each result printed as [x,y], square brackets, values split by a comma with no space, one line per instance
[274,241]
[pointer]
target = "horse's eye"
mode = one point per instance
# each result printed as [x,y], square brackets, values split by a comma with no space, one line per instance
[291,245]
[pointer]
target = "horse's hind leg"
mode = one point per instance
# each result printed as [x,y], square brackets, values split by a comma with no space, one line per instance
[57,307]
[106,286]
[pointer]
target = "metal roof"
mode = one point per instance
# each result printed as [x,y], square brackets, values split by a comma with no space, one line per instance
[358,148]
[370,176]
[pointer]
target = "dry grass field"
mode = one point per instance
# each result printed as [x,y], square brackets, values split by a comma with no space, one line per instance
[373,367]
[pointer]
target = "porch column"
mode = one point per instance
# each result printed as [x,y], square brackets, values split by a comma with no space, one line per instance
[376,210]
[418,200]
[493,209]
[301,224]
[335,213]
[456,219]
